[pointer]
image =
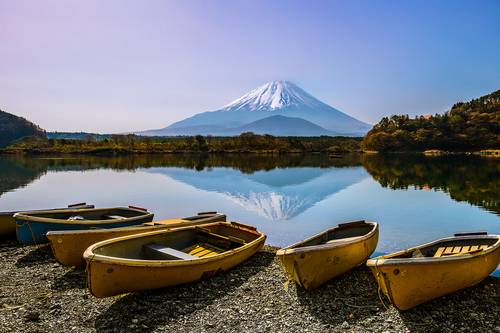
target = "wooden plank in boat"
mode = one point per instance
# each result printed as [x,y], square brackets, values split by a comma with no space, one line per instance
[114,217]
[439,252]
[158,251]
[448,250]
[203,250]
[341,240]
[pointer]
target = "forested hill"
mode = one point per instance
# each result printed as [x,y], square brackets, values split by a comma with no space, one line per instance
[469,126]
[13,127]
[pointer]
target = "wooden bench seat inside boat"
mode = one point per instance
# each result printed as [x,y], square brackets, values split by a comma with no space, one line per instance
[204,242]
[114,217]
[224,242]
[203,250]
[452,250]
[340,240]
[165,222]
[158,251]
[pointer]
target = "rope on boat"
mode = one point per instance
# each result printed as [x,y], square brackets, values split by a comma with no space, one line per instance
[24,223]
[379,291]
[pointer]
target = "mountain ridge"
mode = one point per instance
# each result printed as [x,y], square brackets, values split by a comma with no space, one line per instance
[13,128]
[279,125]
[273,98]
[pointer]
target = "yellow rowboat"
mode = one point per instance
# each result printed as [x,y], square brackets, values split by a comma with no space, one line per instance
[8,222]
[68,246]
[169,257]
[417,275]
[331,253]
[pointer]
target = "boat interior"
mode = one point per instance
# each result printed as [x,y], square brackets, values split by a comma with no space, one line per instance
[90,214]
[192,243]
[212,216]
[203,215]
[453,247]
[342,233]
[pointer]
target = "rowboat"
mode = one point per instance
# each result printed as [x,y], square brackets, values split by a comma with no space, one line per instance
[168,257]
[331,253]
[8,223]
[32,227]
[417,275]
[68,246]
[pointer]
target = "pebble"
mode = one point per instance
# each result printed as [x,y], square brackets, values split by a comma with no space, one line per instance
[32,316]
[251,297]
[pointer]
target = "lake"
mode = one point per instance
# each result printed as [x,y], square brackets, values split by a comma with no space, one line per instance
[415,199]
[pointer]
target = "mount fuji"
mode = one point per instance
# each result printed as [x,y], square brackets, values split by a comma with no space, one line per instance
[276,108]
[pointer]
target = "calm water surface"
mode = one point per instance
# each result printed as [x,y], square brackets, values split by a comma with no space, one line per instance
[415,199]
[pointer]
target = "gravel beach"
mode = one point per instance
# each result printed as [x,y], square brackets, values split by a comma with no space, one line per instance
[39,295]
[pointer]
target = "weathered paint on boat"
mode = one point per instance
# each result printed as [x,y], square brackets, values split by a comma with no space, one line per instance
[115,266]
[313,261]
[8,223]
[32,227]
[417,275]
[68,246]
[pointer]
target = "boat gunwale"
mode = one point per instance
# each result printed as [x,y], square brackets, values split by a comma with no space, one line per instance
[7,213]
[59,233]
[292,249]
[11,213]
[26,217]
[389,260]
[90,256]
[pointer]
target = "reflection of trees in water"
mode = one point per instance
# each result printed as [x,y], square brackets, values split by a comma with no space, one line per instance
[472,179]
[19,171]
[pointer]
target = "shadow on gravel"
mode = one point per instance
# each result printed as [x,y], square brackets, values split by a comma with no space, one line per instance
[476,308]
[76,278]
[39,255]
[352,295]
[7,245]
[8,241]
[145,311]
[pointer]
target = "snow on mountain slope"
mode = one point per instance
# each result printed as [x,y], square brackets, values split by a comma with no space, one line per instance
[276,98]
[271,96]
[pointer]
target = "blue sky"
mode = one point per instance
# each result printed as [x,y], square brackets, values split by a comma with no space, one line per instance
[114,66]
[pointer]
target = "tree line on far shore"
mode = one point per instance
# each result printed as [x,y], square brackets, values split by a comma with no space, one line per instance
[469,126]
[246,142]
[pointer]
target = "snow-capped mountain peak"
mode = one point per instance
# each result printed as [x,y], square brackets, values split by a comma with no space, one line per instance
[272,96]
[278,107]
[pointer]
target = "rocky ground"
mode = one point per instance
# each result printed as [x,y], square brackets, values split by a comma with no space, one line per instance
[39,295]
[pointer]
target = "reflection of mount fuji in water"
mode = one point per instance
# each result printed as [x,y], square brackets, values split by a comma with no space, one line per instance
[279,194]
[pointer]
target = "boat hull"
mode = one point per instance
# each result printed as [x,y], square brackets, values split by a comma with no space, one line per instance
[310,267]
[31,231]
[111,276]
[7,225]
[68,246]
[8,222]
[408,283]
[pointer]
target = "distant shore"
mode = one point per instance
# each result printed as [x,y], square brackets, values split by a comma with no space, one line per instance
[132,144]
[247,143]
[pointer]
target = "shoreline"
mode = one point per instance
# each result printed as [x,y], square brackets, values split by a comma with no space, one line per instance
[38,295]
[130,152]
